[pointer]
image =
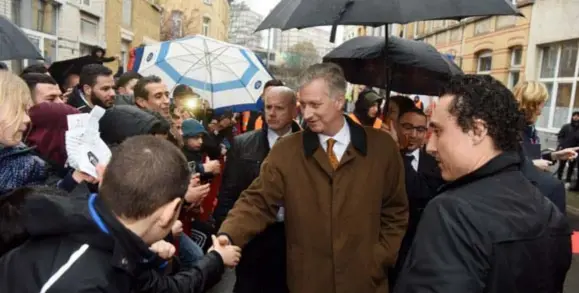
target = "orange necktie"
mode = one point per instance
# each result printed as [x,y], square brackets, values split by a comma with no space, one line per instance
[331,155]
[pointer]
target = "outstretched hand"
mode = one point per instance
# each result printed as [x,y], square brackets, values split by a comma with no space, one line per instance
[229,253]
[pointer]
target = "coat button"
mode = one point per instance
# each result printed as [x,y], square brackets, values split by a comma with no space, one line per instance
[124,262]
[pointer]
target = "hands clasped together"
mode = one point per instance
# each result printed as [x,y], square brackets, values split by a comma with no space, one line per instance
[230,254]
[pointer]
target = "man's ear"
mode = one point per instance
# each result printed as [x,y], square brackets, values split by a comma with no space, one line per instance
[100,170]
[479,131]
[169,213]
[142,103]
[87,90]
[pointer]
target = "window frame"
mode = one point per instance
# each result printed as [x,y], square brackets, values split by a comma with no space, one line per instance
[206,26]
[555,80]
[481,55]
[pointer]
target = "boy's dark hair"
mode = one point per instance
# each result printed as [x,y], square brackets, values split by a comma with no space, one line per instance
[90,73]
[144,173]
[32,79]
[483,97]
[126,78]
[182,90]
[273,82]
[35,68]
[140,90]
[412,110]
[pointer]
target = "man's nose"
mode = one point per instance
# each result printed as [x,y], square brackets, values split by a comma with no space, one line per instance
[307,112]
[431,146]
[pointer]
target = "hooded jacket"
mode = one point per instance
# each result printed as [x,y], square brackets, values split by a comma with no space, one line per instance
[122,122]
[366,99]
[78,245]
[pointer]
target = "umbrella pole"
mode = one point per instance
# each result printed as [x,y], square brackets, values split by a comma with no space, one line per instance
[387,73]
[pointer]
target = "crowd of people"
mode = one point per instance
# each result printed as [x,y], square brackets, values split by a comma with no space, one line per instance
[296,197]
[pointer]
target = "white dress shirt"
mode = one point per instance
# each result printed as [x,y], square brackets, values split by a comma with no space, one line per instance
[272,139]
[272,136]
[342,139]
[415,158]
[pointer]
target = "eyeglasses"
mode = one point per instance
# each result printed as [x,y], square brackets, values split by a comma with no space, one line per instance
[410,127]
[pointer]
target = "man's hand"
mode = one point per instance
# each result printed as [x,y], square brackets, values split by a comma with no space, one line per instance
[565,154]
[177,228]
[229,253]
[390,129]
[542,164]
[163,249]
[80,177]
[213,167]
[196,193]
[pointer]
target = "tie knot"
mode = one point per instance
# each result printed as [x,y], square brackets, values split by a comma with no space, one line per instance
[331,143]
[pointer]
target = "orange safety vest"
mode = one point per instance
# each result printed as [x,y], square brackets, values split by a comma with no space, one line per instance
[259,123]
[377,122]
[245,120]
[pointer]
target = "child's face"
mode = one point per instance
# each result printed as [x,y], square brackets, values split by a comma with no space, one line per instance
[195,143]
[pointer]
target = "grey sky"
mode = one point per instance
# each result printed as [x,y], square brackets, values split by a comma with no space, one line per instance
[262,7]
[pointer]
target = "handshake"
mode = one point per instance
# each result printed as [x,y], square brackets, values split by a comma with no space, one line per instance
[229,253]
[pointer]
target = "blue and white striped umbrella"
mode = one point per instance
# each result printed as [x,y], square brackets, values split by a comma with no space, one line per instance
[228,76]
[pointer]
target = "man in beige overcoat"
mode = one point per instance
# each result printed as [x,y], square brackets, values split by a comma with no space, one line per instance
[342,187]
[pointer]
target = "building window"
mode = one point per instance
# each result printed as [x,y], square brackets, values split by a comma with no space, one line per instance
[89,28]
[127,12]
[515,66]
[16,18]
[125,53]
[482,26]
[86,2]
[484,62]
[207,2]
[40,15]
[206,28]
[559,72]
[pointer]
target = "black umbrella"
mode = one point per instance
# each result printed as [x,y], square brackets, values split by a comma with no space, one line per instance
[14,44]
[290,14]
[417,67]
[61,69]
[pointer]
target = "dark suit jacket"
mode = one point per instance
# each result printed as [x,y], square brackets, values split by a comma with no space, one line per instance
[421,187]
[549,186]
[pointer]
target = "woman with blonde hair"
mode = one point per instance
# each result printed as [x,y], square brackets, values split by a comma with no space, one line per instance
[17,166]
[532,96]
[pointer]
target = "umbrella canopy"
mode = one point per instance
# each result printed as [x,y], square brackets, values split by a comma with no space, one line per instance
[14,44]
[229,77]
[290,14]
[416,67]
[61,69]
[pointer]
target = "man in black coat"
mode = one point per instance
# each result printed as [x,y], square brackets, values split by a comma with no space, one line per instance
[263,266]
[422,177]
[489,229]
[102,244]
[95,88]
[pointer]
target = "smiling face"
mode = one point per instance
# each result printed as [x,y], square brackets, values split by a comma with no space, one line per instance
[157,99]
[413,127]
[322,113]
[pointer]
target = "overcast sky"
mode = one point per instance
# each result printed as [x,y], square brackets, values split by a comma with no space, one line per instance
[262,7]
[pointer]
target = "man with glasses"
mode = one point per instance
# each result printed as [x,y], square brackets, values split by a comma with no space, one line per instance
[422,176]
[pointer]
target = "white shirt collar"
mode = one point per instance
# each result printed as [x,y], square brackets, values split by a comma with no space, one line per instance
[272,136]
[342,137]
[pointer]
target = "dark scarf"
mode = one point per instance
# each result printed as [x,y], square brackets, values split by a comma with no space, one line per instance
[18,168]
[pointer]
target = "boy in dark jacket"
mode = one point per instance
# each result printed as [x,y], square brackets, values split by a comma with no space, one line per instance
[193,136]
[102,244]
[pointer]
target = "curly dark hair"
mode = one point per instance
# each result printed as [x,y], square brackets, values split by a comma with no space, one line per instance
[483,97]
